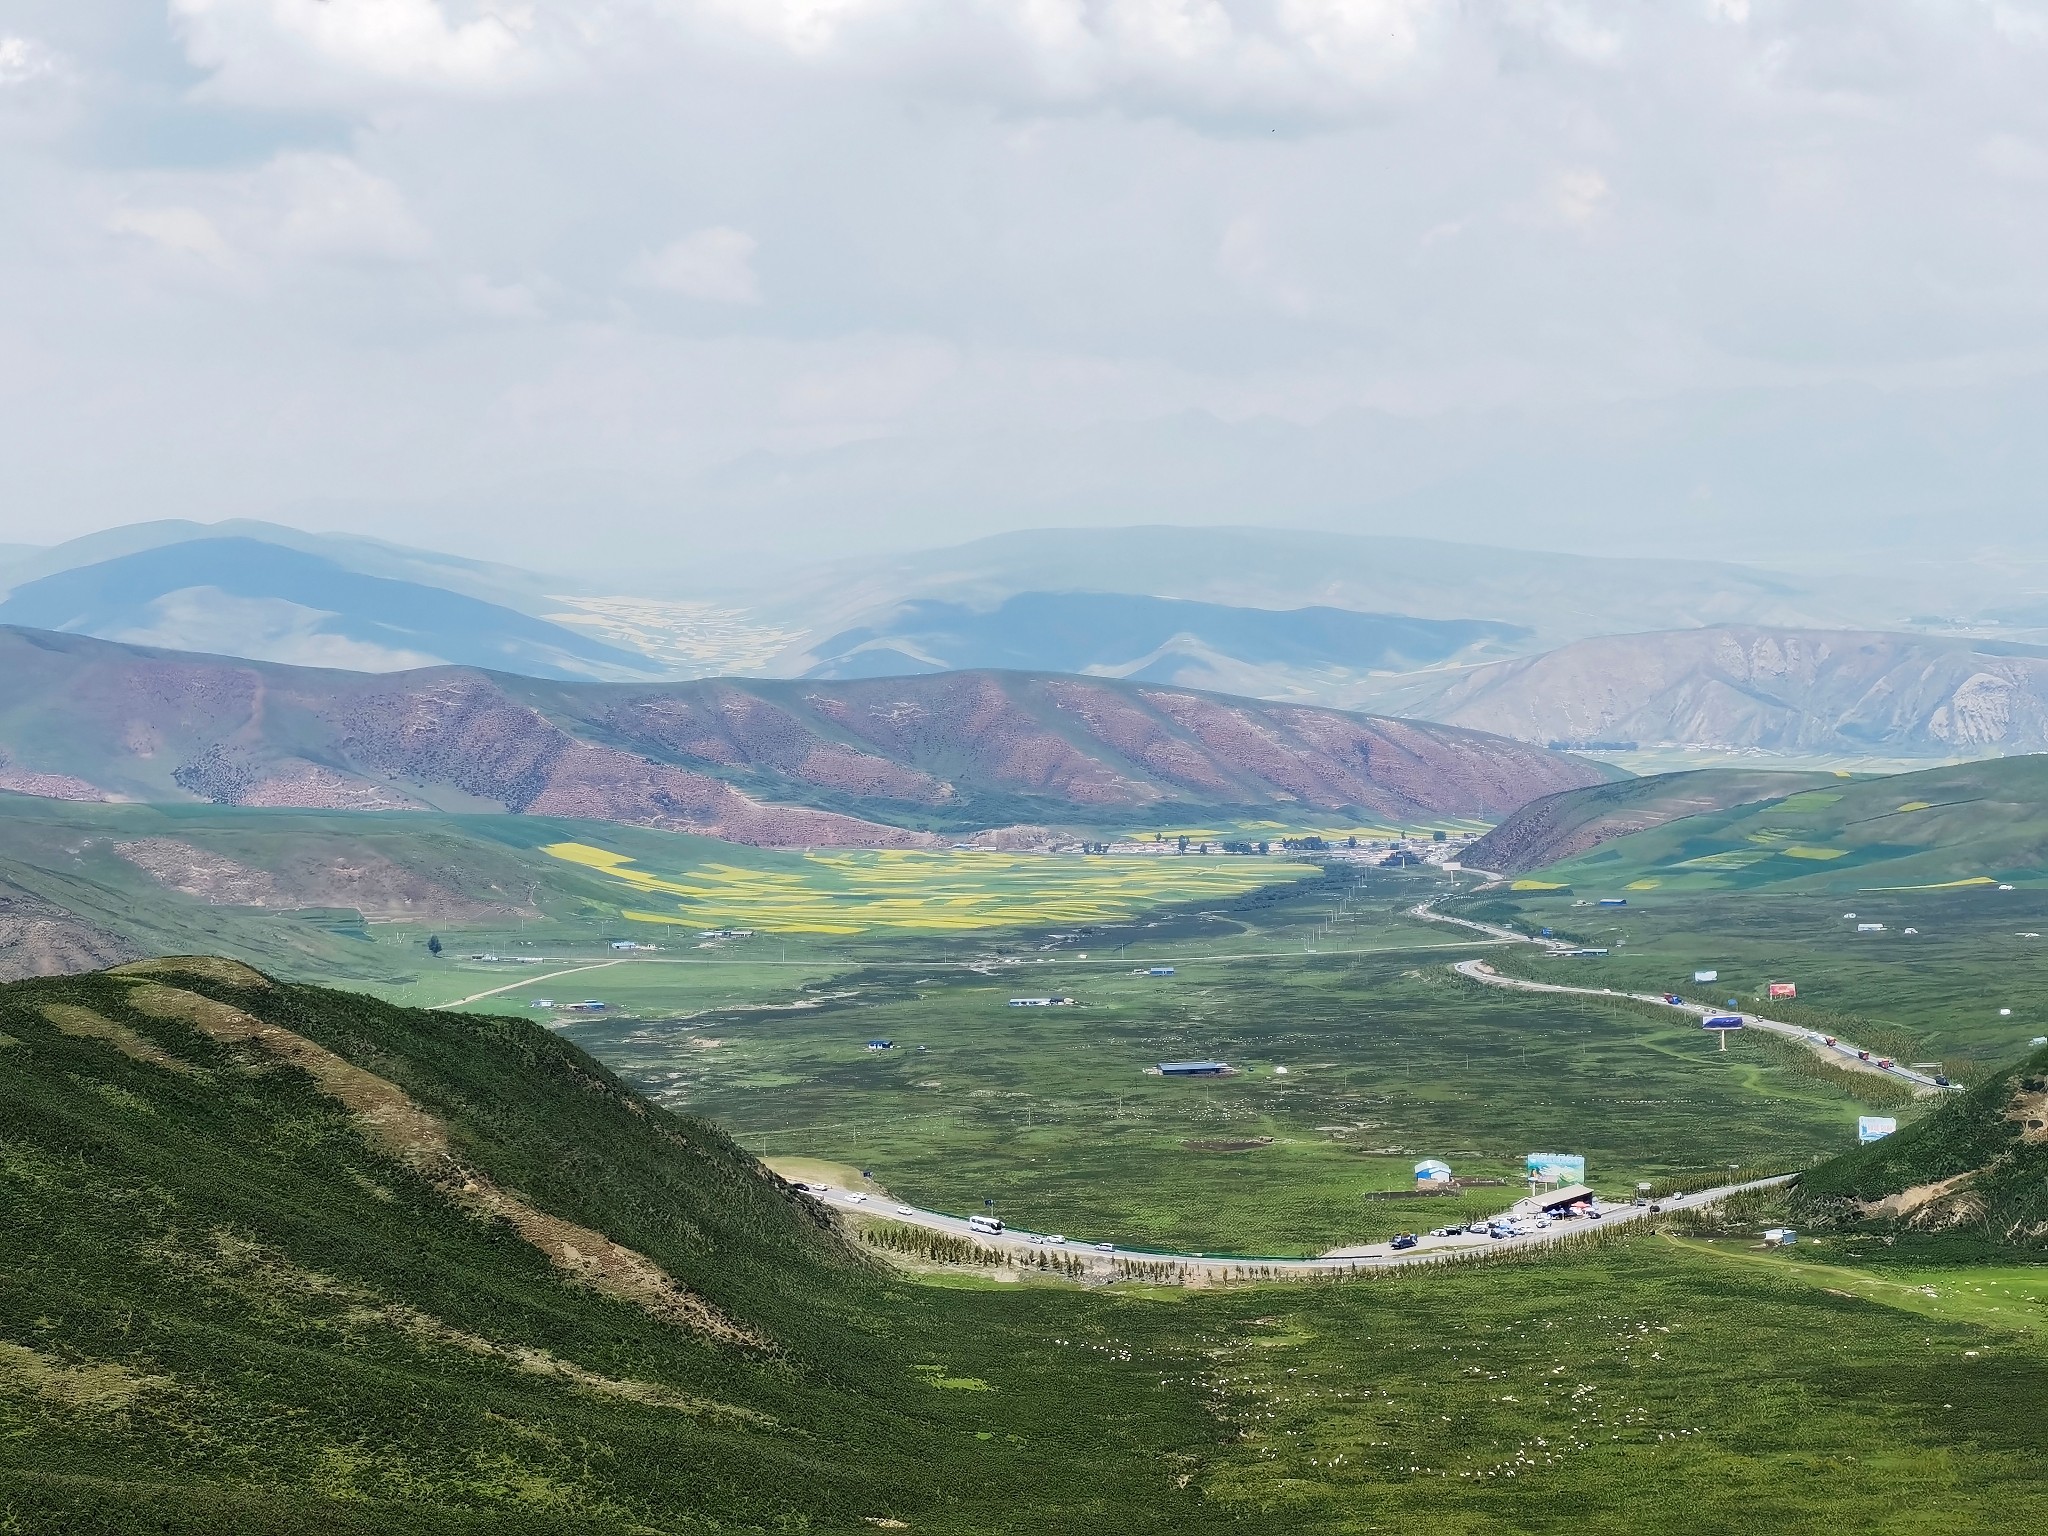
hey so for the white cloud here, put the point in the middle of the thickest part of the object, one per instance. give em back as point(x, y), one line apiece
point(23, 59)
point(1367, 40)
point(715, 265)
point(280, 50)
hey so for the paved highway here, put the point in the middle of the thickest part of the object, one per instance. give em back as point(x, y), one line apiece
point(1841, 1052)
point(1102, 1258)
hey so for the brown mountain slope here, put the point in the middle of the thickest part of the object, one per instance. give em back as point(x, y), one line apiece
point(1784, 690)
point(858, 763)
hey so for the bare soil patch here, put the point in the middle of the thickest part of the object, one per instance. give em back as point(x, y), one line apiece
point(205, 967)
point(83, 1023)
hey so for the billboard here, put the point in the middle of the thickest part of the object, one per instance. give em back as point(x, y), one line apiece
point(1555, 1168)
point(1779, 989)
point(1722, 1021)
point(1706, 975)
point(1874, 1127)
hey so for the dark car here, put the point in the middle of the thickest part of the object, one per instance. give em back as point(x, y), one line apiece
point(1405, 1240)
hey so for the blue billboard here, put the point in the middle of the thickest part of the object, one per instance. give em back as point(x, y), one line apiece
point(1556, 1168)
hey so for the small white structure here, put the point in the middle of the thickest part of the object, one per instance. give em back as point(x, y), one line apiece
point(1780, 1237)
point(1706, 975)
point(1870, 927)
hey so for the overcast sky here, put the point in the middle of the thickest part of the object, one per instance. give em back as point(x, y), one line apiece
point(1724, 275)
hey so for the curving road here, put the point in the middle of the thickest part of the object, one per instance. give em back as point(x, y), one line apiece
point(1101, 1257)
point(1842, 1053)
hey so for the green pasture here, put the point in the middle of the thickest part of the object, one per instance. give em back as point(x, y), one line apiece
point(1640, 1385)
point(1050, 1112)
point(229, 1310)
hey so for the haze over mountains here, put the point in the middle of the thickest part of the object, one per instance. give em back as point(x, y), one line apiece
point(251, 597)
point(1784, 691)
point(1538, 646)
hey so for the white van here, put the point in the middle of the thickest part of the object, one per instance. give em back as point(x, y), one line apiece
point(989, 1224)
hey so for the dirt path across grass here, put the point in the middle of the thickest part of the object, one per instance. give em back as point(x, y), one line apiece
point(528, 981)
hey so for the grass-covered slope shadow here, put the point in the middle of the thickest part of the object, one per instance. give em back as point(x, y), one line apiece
point(226, 1307)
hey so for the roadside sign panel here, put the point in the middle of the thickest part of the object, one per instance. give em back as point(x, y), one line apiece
point(1556, 1168)
point(1781, 989)
point(1874, 1127)
point(1706, 975)
point(1722, 1021)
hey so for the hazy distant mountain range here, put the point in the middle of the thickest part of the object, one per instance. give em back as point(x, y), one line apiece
point(1539, 646)
point(884, 762)
point(1787, 691)
point(256, 598)
point(1151, 639)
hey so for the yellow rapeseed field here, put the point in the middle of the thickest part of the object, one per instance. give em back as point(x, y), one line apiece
point(961, 890)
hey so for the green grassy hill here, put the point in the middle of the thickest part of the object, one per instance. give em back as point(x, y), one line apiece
point(1973, 1172)
point(1984, 822)
point(1574, 820)
point(381, 1294)
point(284, 1260)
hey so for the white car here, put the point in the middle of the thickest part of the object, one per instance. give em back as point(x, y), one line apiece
point(1105, 1247)
point(1055, 1237)
point(904, 1210)
point(857, 1198)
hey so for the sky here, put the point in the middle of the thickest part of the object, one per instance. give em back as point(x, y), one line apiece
point(662, 281)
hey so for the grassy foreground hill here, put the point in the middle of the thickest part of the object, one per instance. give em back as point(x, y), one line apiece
point(282, 1259)
point(287, 1260)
